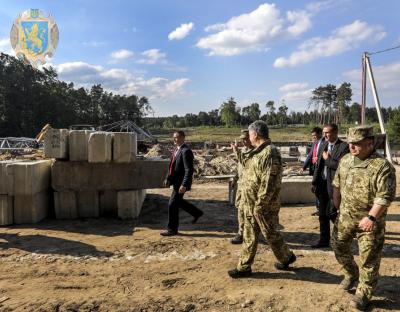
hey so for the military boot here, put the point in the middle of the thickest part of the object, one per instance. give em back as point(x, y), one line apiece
point(238, 239)
point(360, 303)
point(285, 266)
point(348, 283)
point(235, 273)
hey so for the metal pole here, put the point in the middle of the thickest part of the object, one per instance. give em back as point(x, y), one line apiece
point(378, 107)
point(363, 88)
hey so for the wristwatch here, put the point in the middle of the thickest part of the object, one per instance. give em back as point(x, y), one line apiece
point(372, 218)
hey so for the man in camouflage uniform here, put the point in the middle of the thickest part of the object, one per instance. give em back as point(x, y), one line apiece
point(364, 187)
point(261, 186)
point(242, 155)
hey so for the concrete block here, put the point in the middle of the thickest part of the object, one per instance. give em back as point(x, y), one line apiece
point(6, 210)
point(88, 204)
point(108, 203)
point(297, 190)
point(56, 143)
point(29, 177)
point(5, 180)
point(100, 147)
point(130, 203)
point(65, 205)
point(124, 147)
point(78, 145)
point(31, 208)
point(79, 176)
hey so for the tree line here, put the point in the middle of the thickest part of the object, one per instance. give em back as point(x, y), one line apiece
point(31, 98)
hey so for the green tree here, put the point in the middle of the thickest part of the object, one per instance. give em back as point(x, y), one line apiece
point(344, 95)
point(228, 112)
point(251, 113)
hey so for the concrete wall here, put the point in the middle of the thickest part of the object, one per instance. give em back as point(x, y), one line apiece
point(88, 204)
point(28, 178)
point(31, 208)
point(65, 205)
point(78, 145)
point(56, 143)
point(6, 210)
point(130, 203)
point(297, 190)
point(124, 147)
point(100, 147)
point(80, 176)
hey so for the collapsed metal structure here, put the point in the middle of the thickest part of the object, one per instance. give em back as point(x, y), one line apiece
point(12, 143)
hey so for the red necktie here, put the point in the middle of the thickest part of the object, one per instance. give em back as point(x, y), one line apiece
point(172, 161)
point(314, 154)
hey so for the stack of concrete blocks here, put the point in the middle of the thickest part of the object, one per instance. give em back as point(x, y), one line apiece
point(297, 190)
point(103, 177)
point(24, 189)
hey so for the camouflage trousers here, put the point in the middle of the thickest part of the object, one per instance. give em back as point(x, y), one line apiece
point(239, 207)
point(265, 222)
point(370, 246)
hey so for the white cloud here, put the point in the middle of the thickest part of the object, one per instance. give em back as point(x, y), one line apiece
point(153, 56)
point(254, 31)
point(315, 7)
point(342, 39)
point(121, 54)
point(297, 92)
point(295, 86)
point(121, 81)
point(181, 32)
point(94, 44)
point(387, 78)
point(5, 46)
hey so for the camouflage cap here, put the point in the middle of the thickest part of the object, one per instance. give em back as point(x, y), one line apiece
point(357, 134)
point(244, 134)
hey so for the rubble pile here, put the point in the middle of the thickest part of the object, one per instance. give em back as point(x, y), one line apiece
point(160, 150)
point(219, 165)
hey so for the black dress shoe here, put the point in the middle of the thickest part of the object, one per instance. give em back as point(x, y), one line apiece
point(197, 218)
point(320, 245)
point(285, 266)
point(235, 273)
point(238, 239)
point(169, 233)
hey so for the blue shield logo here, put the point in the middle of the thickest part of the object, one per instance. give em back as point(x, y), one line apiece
point(35, 36)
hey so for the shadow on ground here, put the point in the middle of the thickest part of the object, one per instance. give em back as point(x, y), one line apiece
point(41, 244)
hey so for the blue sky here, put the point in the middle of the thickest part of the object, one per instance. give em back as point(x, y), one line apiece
point(190, 56)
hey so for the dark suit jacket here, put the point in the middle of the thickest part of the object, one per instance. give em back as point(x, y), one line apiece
point(340, 149)
point(308, 162)
point(182, 168)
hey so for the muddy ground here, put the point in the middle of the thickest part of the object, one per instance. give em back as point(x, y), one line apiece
point(112, 265)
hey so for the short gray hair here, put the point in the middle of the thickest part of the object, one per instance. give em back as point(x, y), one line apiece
point(260, 127)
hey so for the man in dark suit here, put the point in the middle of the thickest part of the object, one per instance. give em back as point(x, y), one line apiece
point(311, 160)
point(327, 162)
point(180, 176)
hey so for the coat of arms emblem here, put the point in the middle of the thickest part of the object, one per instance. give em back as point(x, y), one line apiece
point(34, 36)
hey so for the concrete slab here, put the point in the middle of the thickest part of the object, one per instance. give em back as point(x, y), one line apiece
point(78, 145)
point(65, 205)
point(297, 190)
point(80, 176)
point(5, 186)
point(29, 177)
point(100, 147)
point(124, 147)
point(88, 204)
point(6, 210)
point(108, 203)
point(130, 203)
point(31, 208)
point(56, 143)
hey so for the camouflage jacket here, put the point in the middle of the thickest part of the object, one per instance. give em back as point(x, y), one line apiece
point(242, 155)
point(364, 183)
point(261, 183)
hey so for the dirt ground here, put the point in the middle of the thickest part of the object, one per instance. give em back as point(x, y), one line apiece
point(112, 265)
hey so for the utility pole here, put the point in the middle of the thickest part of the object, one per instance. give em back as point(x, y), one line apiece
point(366, 68)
